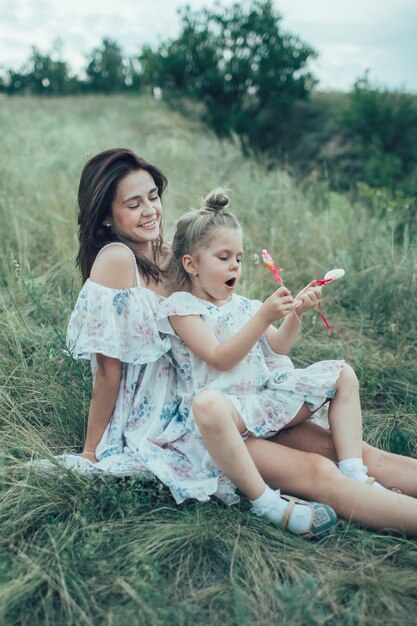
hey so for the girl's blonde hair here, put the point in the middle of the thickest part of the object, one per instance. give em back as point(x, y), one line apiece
point(194, 231)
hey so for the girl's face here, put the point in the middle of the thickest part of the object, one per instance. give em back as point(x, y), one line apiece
point(218, 266)
point(136, 210)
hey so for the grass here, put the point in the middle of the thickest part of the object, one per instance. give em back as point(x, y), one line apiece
point(107, 552)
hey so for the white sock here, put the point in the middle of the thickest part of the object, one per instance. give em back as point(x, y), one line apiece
point(357, 471)
point(273, 507)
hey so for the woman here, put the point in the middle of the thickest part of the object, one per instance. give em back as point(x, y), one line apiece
point(133, 396)
point(122, 260)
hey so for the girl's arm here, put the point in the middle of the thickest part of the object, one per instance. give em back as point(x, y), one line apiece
point(103, 399)
point(281, 340)
point(224, 356)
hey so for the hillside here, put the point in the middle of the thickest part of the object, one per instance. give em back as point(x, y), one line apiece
point(121, 552)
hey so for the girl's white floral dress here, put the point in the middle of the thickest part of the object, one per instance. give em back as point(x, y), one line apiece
point(265, 388)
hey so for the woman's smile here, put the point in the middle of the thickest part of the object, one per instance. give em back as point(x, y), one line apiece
point(149, 225)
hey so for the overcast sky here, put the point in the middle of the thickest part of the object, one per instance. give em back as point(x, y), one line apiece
point(349, 35)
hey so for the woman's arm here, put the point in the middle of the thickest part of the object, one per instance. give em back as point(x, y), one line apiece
point(224, 356)
point(281, 340)
point(114, 268)
point(103, 399)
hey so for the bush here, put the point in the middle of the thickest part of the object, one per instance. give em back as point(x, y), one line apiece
point(240, 64)
point(385, 122)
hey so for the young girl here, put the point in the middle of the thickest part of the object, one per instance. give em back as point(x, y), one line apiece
point(233, 372)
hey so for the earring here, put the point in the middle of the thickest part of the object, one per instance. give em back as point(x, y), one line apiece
point(108, 225)
point(196, 274)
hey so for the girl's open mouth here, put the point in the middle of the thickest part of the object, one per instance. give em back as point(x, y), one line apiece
point(231, 282)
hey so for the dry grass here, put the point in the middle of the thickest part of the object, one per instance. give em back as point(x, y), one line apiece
point(113, 552)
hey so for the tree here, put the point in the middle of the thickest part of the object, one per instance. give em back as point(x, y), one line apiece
point(240, 64)
point(108, 70)
point(385, 123)
point(43, 74)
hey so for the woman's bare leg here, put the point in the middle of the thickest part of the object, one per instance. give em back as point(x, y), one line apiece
point(391, 470)
point(314, 477)
point(305, 474)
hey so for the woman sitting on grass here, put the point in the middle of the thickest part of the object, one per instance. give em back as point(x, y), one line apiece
point(124, 266)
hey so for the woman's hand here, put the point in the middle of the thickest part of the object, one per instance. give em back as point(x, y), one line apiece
point(277, 306)
point(307, 298)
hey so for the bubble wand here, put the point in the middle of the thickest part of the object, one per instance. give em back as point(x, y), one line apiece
point(329, 277)
point(269, 262)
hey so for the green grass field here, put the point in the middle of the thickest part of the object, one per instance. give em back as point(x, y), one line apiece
point(111, 552)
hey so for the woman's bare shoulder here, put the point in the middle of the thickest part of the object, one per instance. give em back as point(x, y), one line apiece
point(114, 267)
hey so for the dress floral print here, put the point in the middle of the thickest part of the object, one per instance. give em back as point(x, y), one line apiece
point(122, 324)
point(265, 388)
point(152, 433)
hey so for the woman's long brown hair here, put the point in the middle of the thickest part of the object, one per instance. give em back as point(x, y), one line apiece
point(97, 190)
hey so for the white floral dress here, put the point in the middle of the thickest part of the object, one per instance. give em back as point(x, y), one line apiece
point(122, 324)
point(265, 388)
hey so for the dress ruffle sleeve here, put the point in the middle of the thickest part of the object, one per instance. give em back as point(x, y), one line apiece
point(118, 323)
point(179, 303)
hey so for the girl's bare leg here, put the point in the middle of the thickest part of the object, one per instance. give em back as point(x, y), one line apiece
point(314, 477)
point(391, 470)
point(345, 416)
point(220, 427)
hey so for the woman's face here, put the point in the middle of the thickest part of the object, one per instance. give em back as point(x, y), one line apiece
point(136, 210)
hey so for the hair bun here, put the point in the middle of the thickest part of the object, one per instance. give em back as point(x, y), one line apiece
point(216, 201)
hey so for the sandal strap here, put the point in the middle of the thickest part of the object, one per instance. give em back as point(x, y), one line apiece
point(292, 501)
point(291, 504)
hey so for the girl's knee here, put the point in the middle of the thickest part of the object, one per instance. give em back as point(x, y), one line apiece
point(348, 378)
point(207, 409)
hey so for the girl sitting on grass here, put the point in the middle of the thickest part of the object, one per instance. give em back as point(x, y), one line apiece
point(238, 387)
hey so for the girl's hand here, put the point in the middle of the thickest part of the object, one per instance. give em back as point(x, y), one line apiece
point(277, 306)
point(307, 298)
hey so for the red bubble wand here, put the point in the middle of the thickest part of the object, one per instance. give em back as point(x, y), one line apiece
point(269, 262)
point(329, 277)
